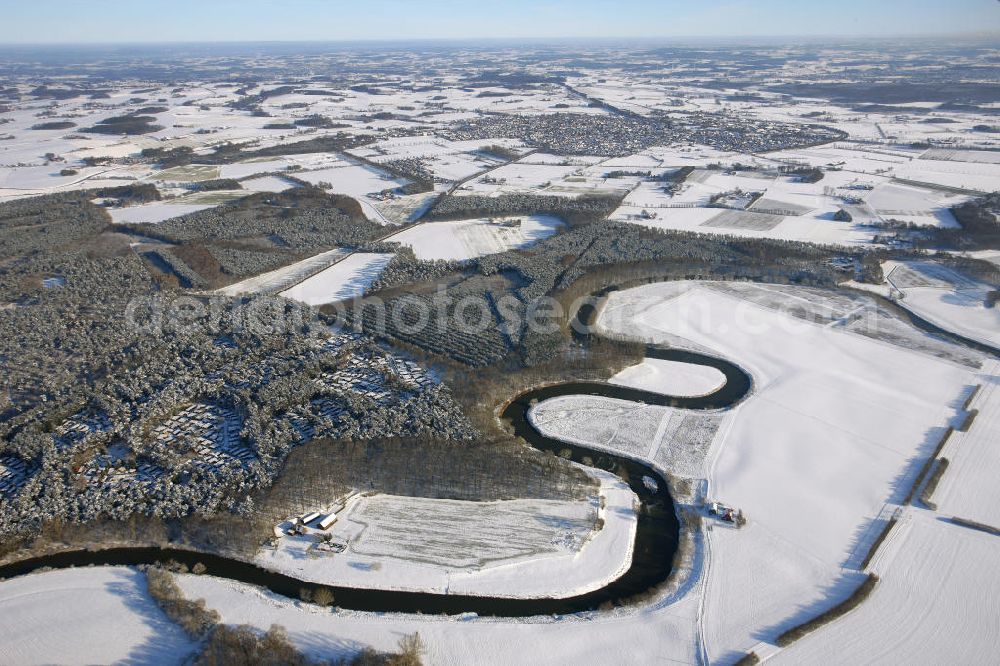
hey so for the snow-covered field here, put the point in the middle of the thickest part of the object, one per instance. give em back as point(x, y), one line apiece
point(969, 487)
point(345, 279)
point(937, 602)
point(676, 440)
point(467, 239)
point(267, 184)
point(946, 298)
point(609, 638)
point(153, 213)
point(671, 378)
point(515, 548)
point(801, 216)
point(86, 616)
point(284, 277)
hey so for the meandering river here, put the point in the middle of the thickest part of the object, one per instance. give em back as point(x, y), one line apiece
point(657, 531)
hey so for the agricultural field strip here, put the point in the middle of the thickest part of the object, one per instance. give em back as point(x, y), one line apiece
point(969, 486)
point(512, 548)
point(286, 277)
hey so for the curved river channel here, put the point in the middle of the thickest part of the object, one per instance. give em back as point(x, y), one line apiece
point(656, 537)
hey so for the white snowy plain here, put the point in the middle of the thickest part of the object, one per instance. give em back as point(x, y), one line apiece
point(98, 615)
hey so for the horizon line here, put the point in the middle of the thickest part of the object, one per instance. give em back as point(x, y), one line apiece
point(982, 35)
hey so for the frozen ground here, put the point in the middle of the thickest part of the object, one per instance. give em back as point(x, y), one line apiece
point(467, 239)
point(946, 298)
point(345, 279)
point(515, 548)
point(86, 616)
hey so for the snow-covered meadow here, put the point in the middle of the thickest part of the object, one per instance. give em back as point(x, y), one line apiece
point(512, 548)
point(946, 298)
point(467, 239)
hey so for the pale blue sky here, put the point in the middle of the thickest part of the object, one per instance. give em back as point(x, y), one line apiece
point(319, 20)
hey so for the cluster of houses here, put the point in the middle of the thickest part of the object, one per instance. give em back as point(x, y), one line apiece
point(80, 426)
point(210, 432)
point(623, 133)
point(13, 473)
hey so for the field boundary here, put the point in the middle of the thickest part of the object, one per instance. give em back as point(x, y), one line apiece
point(861, 593)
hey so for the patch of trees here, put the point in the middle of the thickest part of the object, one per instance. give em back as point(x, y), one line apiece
point(501, 290)
point(130, 124)
point(804, 174)
point(74, 355)
point(224, 645)
point(980, 220)
point(192, 616)
point(216, 185)
point(240, 260)
point(200, 260)
point(54, 125)
point(406, 269)
point(579, 210)
point(129, 195)
point(70, 92)
point(172, 157)
point(420, 177)
point(243, 645)
point(303, 218)
point(480, 471)
point(619, 173)
point(228, 153)
point(512, 79)
point(320, 122)
point(502, 152)
point(174, 269)
point(40, 224)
